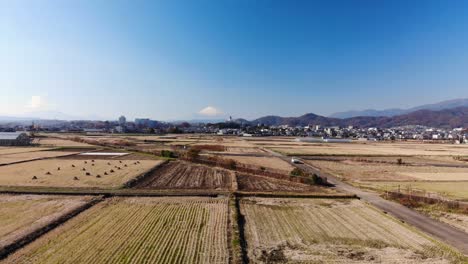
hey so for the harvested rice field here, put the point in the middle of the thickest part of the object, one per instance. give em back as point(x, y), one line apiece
point(137, 230)
point(272, 163)
point(333, 231)
point(57, 142)
point(27, 156)
point(14, 150)
point(244, 150)
point(22, 214)
point(452, 190)
point(74, 173)
point(252, 183)
point(379, 149)
point(364, 171)
point(185, 175)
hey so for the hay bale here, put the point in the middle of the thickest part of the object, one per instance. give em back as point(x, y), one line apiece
point(34, 178)
point(112, 171)
point(98, 176)
point(58, 168)
point(48, 173)
point(105, 173)
point(73, 165)
point(88, 174)
point(83, 169)
point(76, 178)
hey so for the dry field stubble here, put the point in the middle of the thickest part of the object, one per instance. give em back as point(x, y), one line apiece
point(185, 175)
point(403, 149)
point(364, 171)
point(338, 231)
point(57, 142)
point(74, 173)
point(248, 182)
point(23, 214)
point(27, 156)
point(266, 162)
point(14, 150)
point(138, 230)
point(452, 190)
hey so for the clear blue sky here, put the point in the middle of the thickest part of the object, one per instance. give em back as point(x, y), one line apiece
point(170, 59)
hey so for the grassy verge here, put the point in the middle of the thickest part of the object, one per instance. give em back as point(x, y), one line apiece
point(234, 233)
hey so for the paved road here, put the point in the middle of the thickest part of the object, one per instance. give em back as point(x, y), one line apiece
point(444, 232)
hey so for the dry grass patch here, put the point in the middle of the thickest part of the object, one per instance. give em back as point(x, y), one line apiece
point(22, 214)
point(338, 231)
point(74, 173)
point(138, 230)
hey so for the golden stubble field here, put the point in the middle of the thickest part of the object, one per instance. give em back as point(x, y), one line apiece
point(73, 173)
point(22, 214)
point(32, 155)
point(138, 230)
point(14, 150)
point(266, 162)
point(58, 142)
point(333, 231)
point(394, 149)
point(364, 171)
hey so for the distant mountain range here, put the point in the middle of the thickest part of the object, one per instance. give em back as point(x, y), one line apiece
point(397, 111)
point(454, 117)
point(452, 113)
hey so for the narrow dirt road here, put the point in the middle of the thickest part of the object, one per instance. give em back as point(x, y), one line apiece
point(444, 232)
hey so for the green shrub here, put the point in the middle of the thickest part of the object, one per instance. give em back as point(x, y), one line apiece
point(167, 154)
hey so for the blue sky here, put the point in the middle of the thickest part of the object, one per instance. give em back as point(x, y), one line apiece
point(171, 59)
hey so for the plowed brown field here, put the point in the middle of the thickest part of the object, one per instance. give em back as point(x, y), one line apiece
point(184, 175)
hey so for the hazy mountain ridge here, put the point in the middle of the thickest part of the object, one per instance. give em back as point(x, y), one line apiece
point(455, 117)
point(449, 104)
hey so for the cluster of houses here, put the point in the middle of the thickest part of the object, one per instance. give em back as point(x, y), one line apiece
point(343, 134)
point(144, 125)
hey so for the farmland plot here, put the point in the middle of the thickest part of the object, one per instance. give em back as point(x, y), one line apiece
point(14, 150)
point(338, 231)
point(22, 214)
point(57, 142)
point(27, 156)
point(247, 182)
point(378, 149)
point(184, 175)
point(360, 171)
point(138, 230)
point(266, 162)
point(74, 173)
